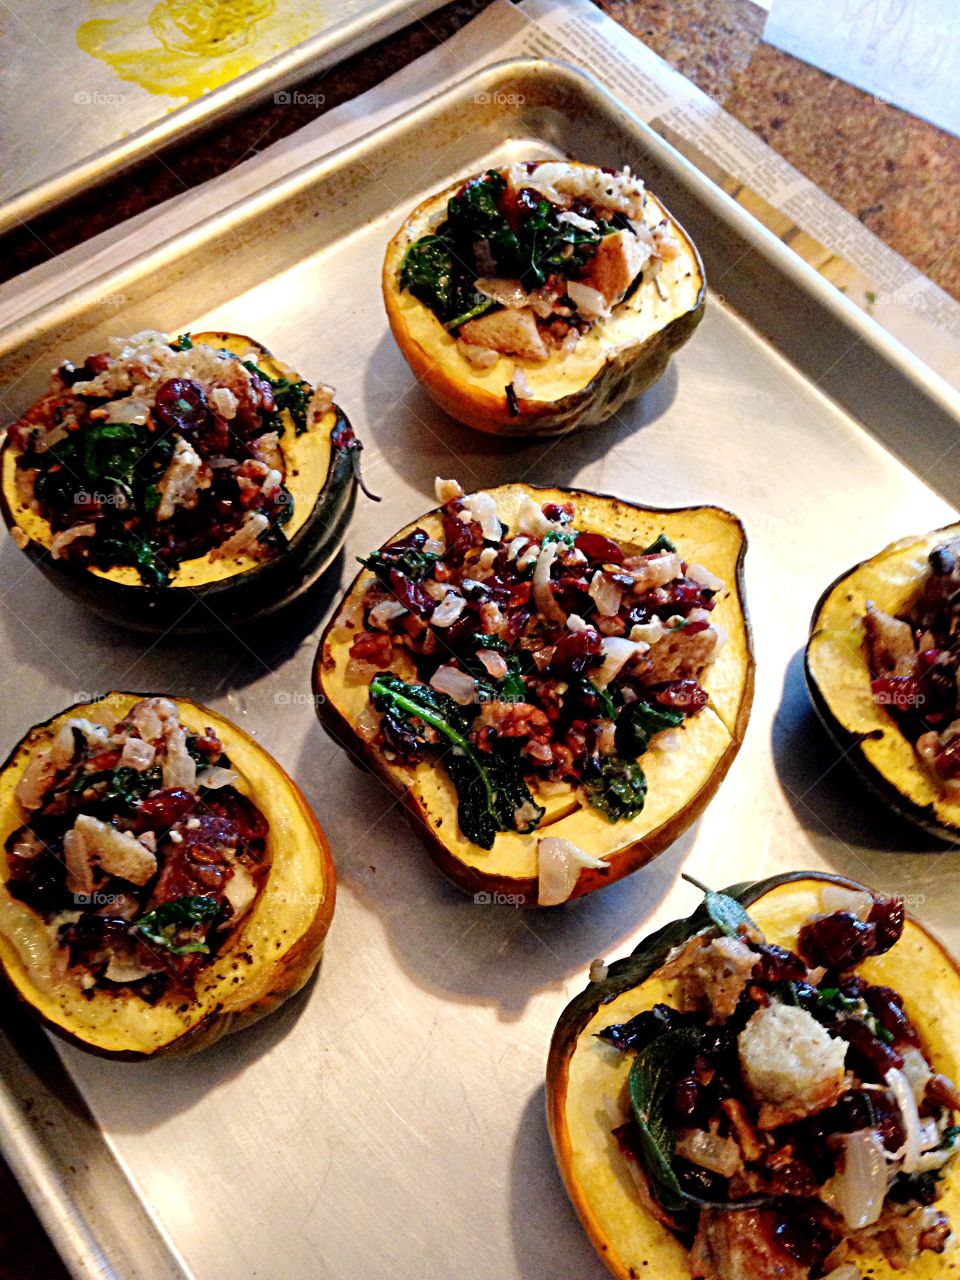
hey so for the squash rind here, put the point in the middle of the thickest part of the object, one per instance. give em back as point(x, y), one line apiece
point(283, 934)
point(229, 595)
point(838, 680)
point(715, 538)
point(581, 1071)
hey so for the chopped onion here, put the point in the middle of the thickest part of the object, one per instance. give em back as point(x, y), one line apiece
point(477, 356)
point(543, 596)
point(216, 777)
point(575, 220)
point(382, 614)
point(127, 969)
point(482, 508)
point(240, 891)
point(858, 1191)
point(909, 1153)
point(703, 577)
point(61, 540)
point(710, 1151)
point(509, 293)
point(559, 864)
point(449, 610)
point(532, 521)
point(456, 684)
point(589, 302)
point(648, 632)
point(917, 1071)
point(617, 652)
point(516, 546)
point(495, 664)
point(576, 623)
point(520, 384)
point(605, 594)
point(834, 897)
point(598, 970)
point(447, 490)
point(137, 754)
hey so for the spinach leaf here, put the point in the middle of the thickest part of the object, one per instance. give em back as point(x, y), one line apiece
point(171, 920)
point(127, 548)
point(124, 786)
point(112, 452)
point(637, 722)
point(490, 790)
point(652, 1078)
point(293, 396)
point(183, 343)
point(662, 543)
point(725, 912)
point(618, 789)
point(412, 562)
point(427, 273)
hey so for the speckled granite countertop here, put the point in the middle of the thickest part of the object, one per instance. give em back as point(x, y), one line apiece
point(897, 174)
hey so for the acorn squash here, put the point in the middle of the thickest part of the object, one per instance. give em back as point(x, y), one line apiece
point(204, 591)
point(265, 960)
point(839, 680)
point(585, 1076)
point(680, 782)
point(613, 362)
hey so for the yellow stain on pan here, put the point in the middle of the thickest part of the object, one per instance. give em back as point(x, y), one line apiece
point(184, 48)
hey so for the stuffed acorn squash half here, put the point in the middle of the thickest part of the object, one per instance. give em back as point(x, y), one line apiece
point(555, 682)
point(162, 880)
point(181, 483)
point(883, 669)
point(766, 1089)
point(538, 297)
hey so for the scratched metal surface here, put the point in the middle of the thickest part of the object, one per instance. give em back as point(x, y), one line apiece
point(389, 1122)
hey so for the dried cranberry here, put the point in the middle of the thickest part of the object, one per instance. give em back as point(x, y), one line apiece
point(837, 941)
point(806, 1238)
point(459, 538)
point(181, 406)
point(886, 1005)
point(576, 651)
point(775, 964)
point(411, 594)
point(869, 1057)
point(161, 810)
point(559, 514)
point(865, 1109)
point(889, 916)
point(682, 695)
point(644, 1027)
point(229, 803)
point(596, 547)
point(686, 1095)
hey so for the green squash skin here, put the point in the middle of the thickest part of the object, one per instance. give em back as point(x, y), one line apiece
point(848, 743)
point(231, 602)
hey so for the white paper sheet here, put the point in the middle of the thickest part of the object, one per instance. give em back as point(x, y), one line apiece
point(904, 51)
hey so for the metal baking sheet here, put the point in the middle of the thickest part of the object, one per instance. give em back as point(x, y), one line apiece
point(389, 1122)
point(124, 78)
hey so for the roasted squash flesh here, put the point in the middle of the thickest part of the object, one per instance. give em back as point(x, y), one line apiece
point(680, 782)
point(268, 958)
point(587, 1079)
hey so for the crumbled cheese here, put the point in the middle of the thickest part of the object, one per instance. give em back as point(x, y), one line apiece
point(182, 481)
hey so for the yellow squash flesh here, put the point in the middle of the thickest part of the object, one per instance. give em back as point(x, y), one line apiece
point(838, 677)
point(266, 960)
point(613, 363)
point(680, 783)
point(587, 1087)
